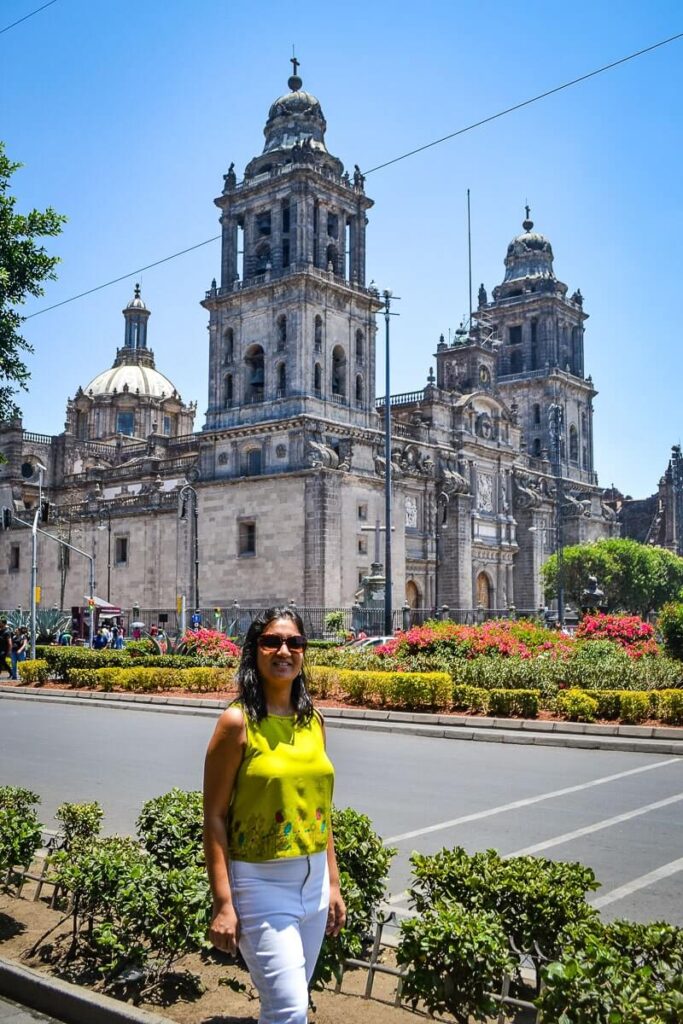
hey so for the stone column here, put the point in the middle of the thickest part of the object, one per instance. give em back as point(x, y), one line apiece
point(229, 250)
point(455, 573)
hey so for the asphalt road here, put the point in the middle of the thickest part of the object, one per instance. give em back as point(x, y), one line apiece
point(621, 813)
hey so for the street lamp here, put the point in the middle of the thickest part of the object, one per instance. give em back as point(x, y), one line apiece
point(187, 494)
point(556, 426)
point(440, 522)
point(105, 513)
point(388, 582)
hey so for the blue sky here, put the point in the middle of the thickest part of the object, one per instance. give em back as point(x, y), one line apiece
point(126, 115)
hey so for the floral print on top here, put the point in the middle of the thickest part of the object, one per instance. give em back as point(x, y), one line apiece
point(283, 792)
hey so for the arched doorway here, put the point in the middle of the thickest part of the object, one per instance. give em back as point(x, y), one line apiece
point(413, 596)
point(484, 591)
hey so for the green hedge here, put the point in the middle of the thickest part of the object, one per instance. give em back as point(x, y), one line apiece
point(62, 661)
point(33, 671)
point(144, 679)
point(431, 690)
point(523, 703)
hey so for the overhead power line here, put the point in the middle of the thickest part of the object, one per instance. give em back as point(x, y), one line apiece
point(387, 163)
point(27, 16)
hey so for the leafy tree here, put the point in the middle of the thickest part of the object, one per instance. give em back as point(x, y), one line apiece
point(636, 578)
point(24, 266)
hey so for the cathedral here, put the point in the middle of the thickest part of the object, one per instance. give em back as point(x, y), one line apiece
point(279, 495)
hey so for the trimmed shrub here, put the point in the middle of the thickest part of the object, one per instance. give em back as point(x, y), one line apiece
point(668, 706)
point(519, 703)
point(79, 822)
point(454, 959)
point(576, 706)
point(20, 831)
point(635, 707)
point(35, 671)
point(170, 828)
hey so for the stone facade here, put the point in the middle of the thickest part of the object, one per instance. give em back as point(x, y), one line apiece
point(288, 471)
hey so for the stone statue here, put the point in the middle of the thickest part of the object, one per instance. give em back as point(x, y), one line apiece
point(358, 178)
point(482, 296)
point(230, 179)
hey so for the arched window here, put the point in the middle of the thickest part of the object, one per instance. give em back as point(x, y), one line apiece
point(228, 345)
point(537, 448)
point(360, 347)
point(338, 372)
point(263, 260)
point(573, 444)
point(281, 331)
point(332, 259)
point(281, 380)
point(359, 390)
point(484, 591)
point(318, 379)
point(318, 337)
point(254, 374)
point(537, 413)
point(228, 396)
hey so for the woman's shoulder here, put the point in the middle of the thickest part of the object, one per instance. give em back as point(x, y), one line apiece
point(233, 721)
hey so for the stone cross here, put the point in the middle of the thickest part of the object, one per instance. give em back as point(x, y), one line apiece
point(376, 529)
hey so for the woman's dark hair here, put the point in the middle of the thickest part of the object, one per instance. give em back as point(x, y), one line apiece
point(248, 681)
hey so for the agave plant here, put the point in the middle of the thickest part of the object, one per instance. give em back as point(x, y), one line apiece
point(49, 622)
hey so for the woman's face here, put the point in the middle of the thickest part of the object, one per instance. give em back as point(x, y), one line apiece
point(278, 666)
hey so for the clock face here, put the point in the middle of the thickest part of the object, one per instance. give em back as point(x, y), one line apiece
point(484, 375)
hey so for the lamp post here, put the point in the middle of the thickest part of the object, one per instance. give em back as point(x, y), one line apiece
point(388, 581)
point(105, 513)
point(556, 425)
point(188, 493)
point(441, 515)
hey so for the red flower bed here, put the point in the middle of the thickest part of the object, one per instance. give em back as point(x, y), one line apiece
point(209, 642)
point(636, 636)
point(497, 637)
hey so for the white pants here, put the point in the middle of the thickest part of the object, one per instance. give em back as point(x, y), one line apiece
point(282, 907)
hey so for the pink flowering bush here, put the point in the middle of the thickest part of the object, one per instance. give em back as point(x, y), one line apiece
point(494, 638)
point(629, 632)
point(208, 643)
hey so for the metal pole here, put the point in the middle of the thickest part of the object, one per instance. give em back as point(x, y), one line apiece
point(469, 250)
point(91, 629)
point(388, 611)
point(183, 615)
point(108, 556)
point(196, 551)
point(436, 556)
point(34, 579)
point(557, 419)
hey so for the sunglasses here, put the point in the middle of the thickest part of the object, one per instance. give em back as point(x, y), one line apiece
point(273, 642)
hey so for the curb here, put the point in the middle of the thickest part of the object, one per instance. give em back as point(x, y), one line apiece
point(71, 1003)
point(578, 735)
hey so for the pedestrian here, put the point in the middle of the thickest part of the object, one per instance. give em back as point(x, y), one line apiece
point(19, 649)
point(5, 647)
point(267, 834)
point(99, 640)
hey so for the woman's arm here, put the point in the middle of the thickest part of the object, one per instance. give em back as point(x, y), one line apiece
point(336, 915)
point(223, 759)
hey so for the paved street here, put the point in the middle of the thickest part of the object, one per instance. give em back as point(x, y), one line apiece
point(13, 1013)
point(621, 813)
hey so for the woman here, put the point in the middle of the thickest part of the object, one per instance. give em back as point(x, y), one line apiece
point(19, 649)
point(267, 836)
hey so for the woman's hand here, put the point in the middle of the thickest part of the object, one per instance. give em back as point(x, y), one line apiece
point(224, 930)
point(336, 915)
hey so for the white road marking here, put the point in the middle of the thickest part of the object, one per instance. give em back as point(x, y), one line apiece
point(567, 837)
point(528, 801)
point(638, 883)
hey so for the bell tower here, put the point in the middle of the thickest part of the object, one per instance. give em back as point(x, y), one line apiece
point(292, 323)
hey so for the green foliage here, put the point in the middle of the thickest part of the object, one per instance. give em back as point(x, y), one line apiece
point(388, 689)
point(534, 898)
point(129, 910)
point(636, 578)
point(79, 822)
point(454, 959)
point(506, 703)
point(670, 623)
point(363, 862)
point(24, 266)
point(49, 623)
point(151, 679)
point(170, 828)
point(62, 661)
point(668, 706)
point(620, 973)
point(576, 706)
point(334, 622)
point(20, 831)
point(33, 671)
point(635, 707)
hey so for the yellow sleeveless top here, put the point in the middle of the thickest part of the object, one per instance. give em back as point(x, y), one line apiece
point(283, 791)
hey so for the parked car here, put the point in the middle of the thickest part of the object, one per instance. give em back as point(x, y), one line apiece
point(370, 641)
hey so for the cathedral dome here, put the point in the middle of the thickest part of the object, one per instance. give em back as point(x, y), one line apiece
point(132, 377)
point(295, 118)
point(529, 255)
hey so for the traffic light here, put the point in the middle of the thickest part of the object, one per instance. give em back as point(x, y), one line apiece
point(6, 521)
